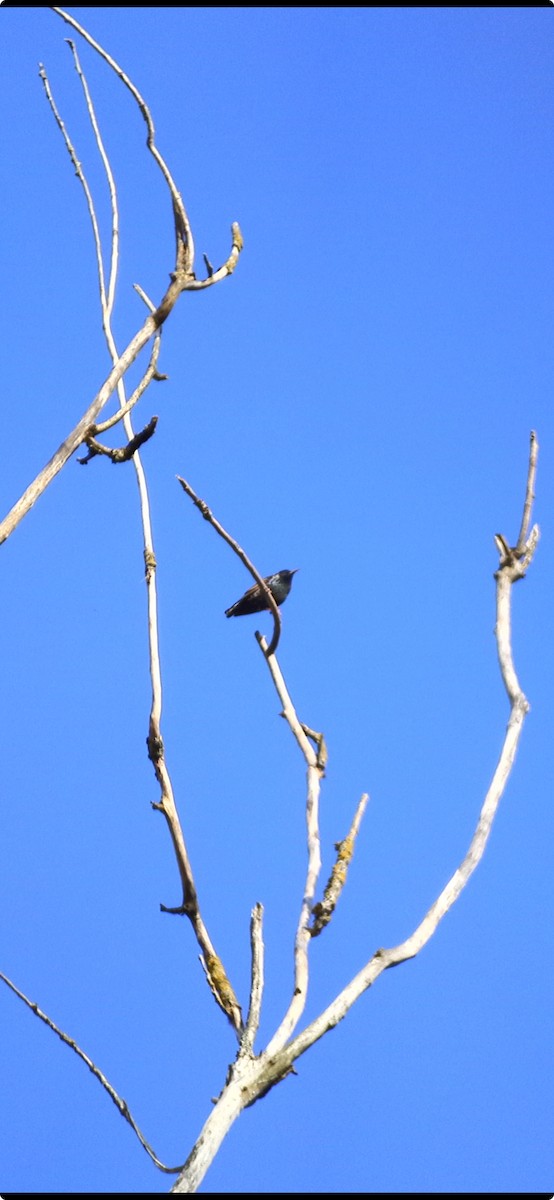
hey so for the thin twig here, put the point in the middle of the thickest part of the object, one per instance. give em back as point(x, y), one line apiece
point(120, 1104)
point(150, 374)
point(319, 741)
point(183, 231)
point(181, 218)
point(78, 167)
point(529, 494)
point(208, 516)
point(227, 268)
point(108, 299)
point(144, 297)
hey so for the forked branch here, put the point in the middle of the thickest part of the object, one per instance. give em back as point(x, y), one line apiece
point(315, 764)
point(215, 972)
point(508, 572)
point(182, 279)
point(257, 1075)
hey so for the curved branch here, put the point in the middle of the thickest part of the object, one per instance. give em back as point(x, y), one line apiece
point(120, 1104)
point(183, 233)
point(509, 571)
point(182, 224)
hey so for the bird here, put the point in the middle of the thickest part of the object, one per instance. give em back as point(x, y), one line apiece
point(255, 600)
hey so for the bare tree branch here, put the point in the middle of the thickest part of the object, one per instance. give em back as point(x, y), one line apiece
point(76, 163)
point(120, 1104)
point(256, 981)
point(77, 435)
point(323, 911)
point(182, 279)
point(219, 983)
point(315, 772)
point(302, 939)
point(251, 1079)
point(507, 574)
point(529, 494)
point(318, 740)
point(150, 374)
point(182, 224)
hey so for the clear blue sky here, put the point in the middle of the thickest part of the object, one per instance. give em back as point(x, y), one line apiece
point(356, 402)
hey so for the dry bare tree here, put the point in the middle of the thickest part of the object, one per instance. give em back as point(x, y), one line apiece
point(254, 1070)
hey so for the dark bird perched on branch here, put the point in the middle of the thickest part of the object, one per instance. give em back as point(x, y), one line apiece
point(255, 600)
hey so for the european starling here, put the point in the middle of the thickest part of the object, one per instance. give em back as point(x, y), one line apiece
point(254, 600)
